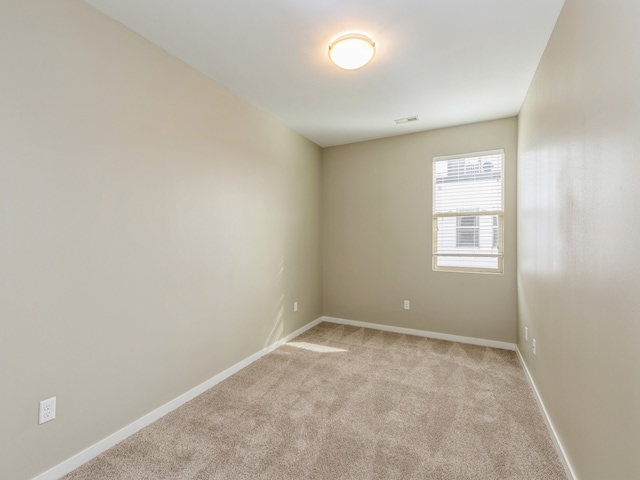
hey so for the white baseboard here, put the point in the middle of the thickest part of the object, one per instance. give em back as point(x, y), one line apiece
point(554, 435)
point(422, 333)
point(93, 451)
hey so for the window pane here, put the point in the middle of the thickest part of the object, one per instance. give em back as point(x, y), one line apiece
point(467, 235)
point(474, 185)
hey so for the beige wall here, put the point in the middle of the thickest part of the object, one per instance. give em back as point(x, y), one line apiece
point(377, 206)
point(152, 226)
point(578, 204)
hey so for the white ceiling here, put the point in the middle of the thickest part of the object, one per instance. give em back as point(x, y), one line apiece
point(450, 62)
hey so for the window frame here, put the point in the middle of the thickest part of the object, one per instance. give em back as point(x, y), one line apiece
point(497, 214)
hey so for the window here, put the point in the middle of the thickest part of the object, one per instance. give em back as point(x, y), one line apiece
point(468, 212)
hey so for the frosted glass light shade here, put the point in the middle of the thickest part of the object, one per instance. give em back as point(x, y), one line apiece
point(352, 51)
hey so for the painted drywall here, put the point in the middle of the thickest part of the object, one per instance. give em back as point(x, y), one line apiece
point(377, 239)
point(578, 262)
point(154, 229)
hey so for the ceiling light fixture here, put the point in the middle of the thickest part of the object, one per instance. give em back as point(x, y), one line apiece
point(352, 50)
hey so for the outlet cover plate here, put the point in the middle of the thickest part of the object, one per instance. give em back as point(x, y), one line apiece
point(47, 410)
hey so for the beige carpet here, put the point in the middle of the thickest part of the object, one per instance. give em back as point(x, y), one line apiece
point(343, 402)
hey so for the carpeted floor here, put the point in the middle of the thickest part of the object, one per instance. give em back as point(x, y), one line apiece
point(342, 402)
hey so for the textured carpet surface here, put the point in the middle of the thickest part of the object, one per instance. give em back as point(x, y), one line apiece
point(342, 402)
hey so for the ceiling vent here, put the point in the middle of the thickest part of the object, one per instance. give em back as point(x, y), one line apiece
point(415, 118)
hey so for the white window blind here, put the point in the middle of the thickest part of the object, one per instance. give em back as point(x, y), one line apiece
point(468, 212)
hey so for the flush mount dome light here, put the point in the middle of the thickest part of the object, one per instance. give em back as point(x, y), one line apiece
point(352, 50)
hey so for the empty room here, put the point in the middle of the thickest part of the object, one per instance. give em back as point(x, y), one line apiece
point(233, 248)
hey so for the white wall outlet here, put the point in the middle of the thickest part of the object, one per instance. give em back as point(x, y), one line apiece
point(407, 304)
point(47, 410)
point(534, 346)
point(295, 306)
point(526, 333)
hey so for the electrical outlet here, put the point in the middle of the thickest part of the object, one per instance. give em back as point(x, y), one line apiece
point(47, 410)
point(526, 333)
point(407, 305)
point(534, 346)
point(295, 306)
